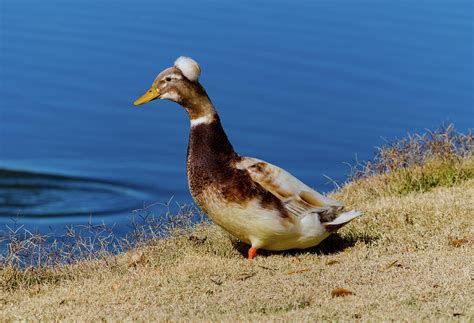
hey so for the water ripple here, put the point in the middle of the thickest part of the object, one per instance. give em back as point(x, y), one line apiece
point(38, 195)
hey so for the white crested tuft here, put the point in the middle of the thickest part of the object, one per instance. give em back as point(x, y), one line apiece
point(189, 67)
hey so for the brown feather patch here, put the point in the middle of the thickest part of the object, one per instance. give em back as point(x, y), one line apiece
point(265, 177)
point(333, 227)
point(210, 166)
point(309, 198)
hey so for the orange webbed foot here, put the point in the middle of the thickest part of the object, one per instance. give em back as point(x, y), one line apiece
point(252, 253)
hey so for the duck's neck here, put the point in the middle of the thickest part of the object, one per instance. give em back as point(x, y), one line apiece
point(198, 104)
point(208, 143)
point(207, 138)
point(210, 153)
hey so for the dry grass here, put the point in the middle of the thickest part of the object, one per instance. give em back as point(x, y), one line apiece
point(416, 163)
point(409, 257)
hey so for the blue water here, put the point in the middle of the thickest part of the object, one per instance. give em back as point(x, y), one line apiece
point(306, 85)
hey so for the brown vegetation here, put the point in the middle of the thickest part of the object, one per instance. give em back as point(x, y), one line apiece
point(409, 257)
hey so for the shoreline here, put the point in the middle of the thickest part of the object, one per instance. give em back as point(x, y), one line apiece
point(408, 257)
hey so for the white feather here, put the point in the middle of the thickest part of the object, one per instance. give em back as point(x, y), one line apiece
point(189, 67)
point(204, 119)
point(173, 96)
point(345, 217)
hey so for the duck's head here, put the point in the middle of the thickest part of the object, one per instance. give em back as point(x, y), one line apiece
point(180, 84)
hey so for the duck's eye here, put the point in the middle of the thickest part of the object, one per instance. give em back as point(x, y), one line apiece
point(168, 79)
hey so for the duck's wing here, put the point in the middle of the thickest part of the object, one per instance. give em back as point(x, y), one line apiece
point(298, 198)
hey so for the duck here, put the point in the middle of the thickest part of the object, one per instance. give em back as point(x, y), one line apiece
point(259, 203)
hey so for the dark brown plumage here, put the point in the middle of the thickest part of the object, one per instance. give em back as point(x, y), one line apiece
point(211, 161)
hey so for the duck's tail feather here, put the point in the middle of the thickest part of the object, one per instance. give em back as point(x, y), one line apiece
point(341, 220)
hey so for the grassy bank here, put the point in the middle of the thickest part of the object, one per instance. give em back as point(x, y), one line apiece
point(409, 257)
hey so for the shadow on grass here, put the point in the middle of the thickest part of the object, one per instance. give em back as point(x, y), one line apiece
point(333, 244)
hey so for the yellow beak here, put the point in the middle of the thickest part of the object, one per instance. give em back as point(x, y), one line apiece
point(149, 95)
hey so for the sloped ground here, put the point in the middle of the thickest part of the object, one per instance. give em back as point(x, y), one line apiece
point(409, 257)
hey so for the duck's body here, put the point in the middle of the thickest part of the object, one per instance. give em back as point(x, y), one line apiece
point(257, 202)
